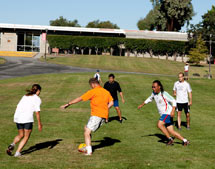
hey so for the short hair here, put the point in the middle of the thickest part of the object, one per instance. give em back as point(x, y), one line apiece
point(93, 80)
point(159, 84)
point(97, 70)
point(181, 73)
point(111, 75)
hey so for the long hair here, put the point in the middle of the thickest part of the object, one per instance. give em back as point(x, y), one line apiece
point(33, 90)
point(159, 84)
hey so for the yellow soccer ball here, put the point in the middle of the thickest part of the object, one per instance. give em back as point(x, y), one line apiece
point(82, 148)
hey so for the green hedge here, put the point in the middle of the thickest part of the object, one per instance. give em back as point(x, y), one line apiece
point(157, 47)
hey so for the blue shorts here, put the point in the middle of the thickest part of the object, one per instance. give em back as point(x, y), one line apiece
point(167, 119)
point(116, 103)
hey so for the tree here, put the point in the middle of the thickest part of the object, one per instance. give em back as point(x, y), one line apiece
point(102, 24)
point(64, 22)
point(171, 15)
point(199, 53)
point(148, 23)
point(204, 28)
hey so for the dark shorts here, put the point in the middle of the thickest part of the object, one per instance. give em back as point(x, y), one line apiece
point(167, 119)
point(185, 106)
point(26, 126)
point(116, 103)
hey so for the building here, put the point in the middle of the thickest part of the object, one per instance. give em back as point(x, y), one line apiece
point(32, 38)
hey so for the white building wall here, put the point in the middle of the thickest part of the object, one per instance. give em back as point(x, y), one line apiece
point(8, 42)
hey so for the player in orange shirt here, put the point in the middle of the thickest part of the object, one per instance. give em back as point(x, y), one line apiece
point(100, 102)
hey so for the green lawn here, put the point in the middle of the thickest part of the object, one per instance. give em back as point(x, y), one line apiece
point(146, 65)
point(2, 61)
point(133, 144)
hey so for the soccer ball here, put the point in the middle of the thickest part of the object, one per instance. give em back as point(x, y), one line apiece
point(82, 148)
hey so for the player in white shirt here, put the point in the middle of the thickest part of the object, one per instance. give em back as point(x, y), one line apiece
point(186, 71)
point(97, 76)
point(182, 90)
point(24, 119)
point(166, 107)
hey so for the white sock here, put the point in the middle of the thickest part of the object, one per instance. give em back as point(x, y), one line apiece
point(184, 140)
point(89, 149)
point(12, 144)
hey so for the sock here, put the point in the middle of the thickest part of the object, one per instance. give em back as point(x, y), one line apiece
point(13, 144)
point(170, 138)
point(184, 140)
point(89, 149)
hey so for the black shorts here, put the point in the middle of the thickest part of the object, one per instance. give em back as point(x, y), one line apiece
point(26, 126)
point(185, 106)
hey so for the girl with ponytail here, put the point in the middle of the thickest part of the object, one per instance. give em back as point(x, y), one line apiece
point(24, 119)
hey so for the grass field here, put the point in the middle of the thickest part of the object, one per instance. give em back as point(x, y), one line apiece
point(146, 65)
point(136, 143)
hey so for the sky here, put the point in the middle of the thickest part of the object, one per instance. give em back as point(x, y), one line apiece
point(123, 13)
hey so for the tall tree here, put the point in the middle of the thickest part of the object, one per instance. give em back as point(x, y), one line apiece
point(199, 53)
point(148, 23)
point(61, 21)
point(102, 24)
point(205, 28)
point(170, 15)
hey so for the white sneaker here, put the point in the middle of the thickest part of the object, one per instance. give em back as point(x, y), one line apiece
point(17, 154)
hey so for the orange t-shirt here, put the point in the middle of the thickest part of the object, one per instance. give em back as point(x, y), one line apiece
point(99, 99)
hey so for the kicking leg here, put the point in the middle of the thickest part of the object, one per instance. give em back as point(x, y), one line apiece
point(87, 136)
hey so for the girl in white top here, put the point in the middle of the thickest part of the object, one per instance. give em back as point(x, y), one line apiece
point(166, 106)
point(24, 119)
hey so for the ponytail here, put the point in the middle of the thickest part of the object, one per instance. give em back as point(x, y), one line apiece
point(33, 90)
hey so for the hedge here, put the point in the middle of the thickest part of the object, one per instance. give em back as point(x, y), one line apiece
point(155, 47)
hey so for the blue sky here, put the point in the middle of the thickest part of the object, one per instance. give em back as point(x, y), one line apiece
point(123, 13)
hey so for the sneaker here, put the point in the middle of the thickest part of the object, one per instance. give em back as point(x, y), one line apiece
point(186, 143)
point(17, 154)
point(179, 129)
point(88, 154)
point(10, 149)
point(188, 128)
point(121, 120)
point(170, 142)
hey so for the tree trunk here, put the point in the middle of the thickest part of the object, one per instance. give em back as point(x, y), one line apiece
point(82, 51)
point(120, 51)
point(111, 51)
point(128, 53)
point(151, 53)
point(97, 51)
point(135, 53)
point(175, 55)
point(90, 51)
point(167, 56)
point(182, 57)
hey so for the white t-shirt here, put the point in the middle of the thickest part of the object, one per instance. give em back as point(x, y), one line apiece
point(26, 108)
point(186, 68)
point(182, 89)
point(164, 102)
point(97, 75)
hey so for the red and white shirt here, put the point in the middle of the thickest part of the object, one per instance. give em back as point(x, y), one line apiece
point(163, 101)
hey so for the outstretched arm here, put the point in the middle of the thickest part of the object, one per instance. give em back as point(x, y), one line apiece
point(150, 99)
point(79, 99)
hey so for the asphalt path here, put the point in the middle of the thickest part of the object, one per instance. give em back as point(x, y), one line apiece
point(19, 67)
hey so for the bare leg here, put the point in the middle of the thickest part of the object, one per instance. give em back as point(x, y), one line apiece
point(27, 134)
point(119, 113)
point(163, 128)
point(174, 133)
point(87, 136)
point(179, 119)
point(188, 119)
point(19, 136)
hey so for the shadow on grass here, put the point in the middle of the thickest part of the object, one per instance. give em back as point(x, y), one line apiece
point(194, 65)
point(162, 138)
point(39, 146)
point(106, 142)
point(110, 119)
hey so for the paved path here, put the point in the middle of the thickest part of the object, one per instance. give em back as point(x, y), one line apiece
point(18, 67)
